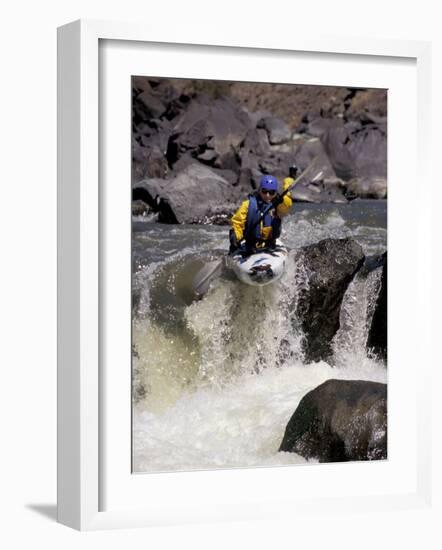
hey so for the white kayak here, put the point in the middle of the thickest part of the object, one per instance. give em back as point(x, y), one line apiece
point(261, 268)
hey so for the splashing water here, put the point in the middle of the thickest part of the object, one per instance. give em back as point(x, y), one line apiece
point(349, 343)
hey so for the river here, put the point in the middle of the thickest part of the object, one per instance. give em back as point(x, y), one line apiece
point(215, 381)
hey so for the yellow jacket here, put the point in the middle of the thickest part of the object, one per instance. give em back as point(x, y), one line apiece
point(239, 219)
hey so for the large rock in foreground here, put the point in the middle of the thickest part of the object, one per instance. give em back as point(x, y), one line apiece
point(338, 421)
point(324, 271)
point(195, 195)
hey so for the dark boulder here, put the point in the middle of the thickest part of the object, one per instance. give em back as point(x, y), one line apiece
point(148, 162)
point(377, 334)
point(255, 143)
point(195, 195)
point(338, 421)
point(154, 99)
point(154, 133)
point(277, 163)
point(148, 106)
point(249, 179)
point(277, 130)
point(183, 162)
point(149, 147)
point(309, 149)
point(254, 147)
point(320, 183)
point(258, 157)
point(187, 160)
point(257, 116)
point(323, 272)
point(139, 208)
point(359, 152)
point(355, 148)
point(140, 84)
point(218, 125)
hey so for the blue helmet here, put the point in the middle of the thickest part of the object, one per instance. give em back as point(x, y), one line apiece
point(268, 182)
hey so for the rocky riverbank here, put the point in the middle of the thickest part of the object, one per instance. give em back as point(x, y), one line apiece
point(199, 147)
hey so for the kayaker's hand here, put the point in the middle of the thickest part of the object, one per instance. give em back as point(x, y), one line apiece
point(293, 171)
point(277, 200)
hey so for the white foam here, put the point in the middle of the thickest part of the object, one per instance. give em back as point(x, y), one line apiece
point(240, 425)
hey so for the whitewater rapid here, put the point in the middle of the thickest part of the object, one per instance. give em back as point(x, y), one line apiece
point(216, 381)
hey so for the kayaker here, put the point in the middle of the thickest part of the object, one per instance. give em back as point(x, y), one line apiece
point(249, 235)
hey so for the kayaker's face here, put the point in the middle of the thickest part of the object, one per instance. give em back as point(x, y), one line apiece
point(267, 195)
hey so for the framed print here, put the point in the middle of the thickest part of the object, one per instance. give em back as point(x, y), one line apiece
point(218, 367)
point(223, 221)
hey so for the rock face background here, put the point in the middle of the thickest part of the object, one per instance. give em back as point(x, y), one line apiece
point(232, 133)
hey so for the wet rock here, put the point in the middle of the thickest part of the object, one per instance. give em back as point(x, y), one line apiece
point(276, 128)
point(323, 272)
point(338, 421)
point(148, 191)
point(302, 193)
point(371, 263)
point(139, 208)
point(377, 334)
point(367, 187)
point(195, 195)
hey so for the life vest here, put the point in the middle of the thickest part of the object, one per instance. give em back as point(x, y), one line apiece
point(254, 216)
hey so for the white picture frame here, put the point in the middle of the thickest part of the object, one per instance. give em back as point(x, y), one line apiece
point(81, 470)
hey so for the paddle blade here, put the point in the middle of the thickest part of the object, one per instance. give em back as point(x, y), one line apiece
point(205, 276)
